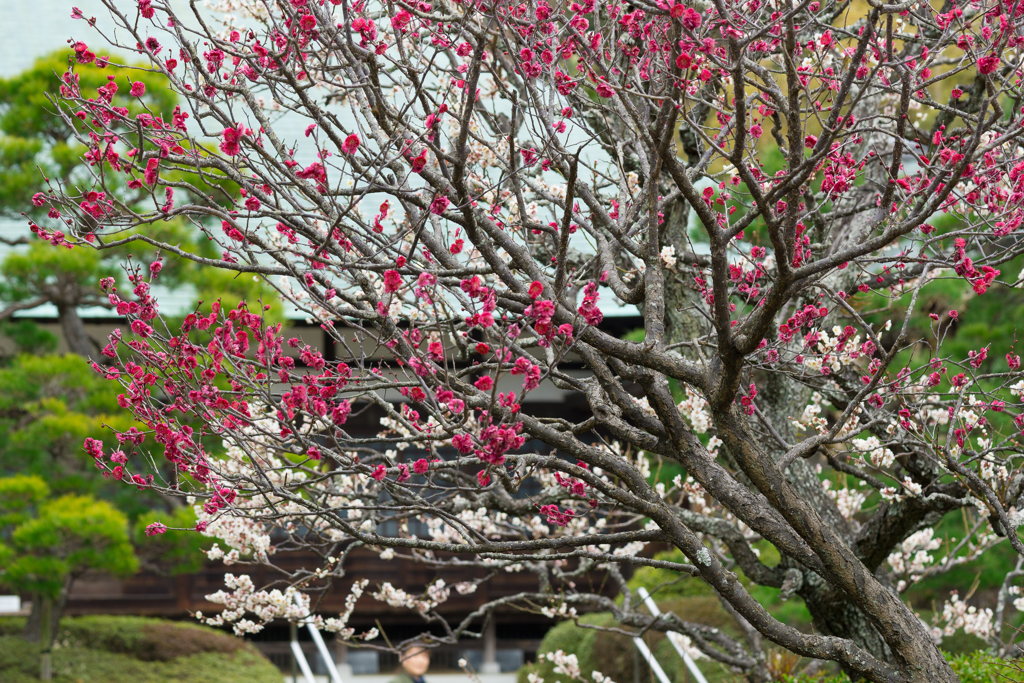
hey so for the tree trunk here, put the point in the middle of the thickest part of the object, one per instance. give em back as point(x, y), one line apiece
point(46, 664)
point(34, 624)
point(75, 336)
point(44, 619)
point(913, 652)
point(834, 616)
point(58, 608)
point(833, 613)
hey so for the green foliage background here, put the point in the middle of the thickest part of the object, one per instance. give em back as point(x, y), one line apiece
point(34, 141)
point(50, 403)
point(55, 539)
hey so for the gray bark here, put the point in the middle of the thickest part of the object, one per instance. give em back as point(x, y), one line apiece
point(834, 612)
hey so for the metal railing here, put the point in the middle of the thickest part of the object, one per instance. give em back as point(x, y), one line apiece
point(318, 640)
point(673, 638)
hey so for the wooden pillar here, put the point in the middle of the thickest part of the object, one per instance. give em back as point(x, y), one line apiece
point(490, 664)
point(341, 658)
point(293, 635)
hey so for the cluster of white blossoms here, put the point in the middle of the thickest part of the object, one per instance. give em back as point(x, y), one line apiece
point(693, 492)
point(568, 665)
point(425, 432)
point(913, 558)
point(970, 419)
point(563, 611)
point(233, 525)
point(236, 525)
point(289, 604)
point(849, 501)
point(1018, 603)
point(481, 155)
point(1017, 389)
point(811, 417)
point(931, 413)
point(436, 593)
point(957, 614)
point(565, 664)
point(245, 599)
point(645, 405)
point(481, 520)
point(911, 486)
point(631, 549)
point(242, 535)
point(339, 624)
point(997, 475)
point(640, 460)
point(668, 256)
point(694, 409)
point(874, 452)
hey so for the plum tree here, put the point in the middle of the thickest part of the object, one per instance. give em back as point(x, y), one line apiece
point(457, 191)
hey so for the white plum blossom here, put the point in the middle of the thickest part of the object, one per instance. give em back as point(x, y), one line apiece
point(563, 611)
point(565, 664)
point(877, 454)
point(957, 614)
point(694, 409)
point(435, 594)
point(914, 556)
point(849, 501)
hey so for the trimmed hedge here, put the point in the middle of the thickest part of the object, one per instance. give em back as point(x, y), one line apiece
point(150, 640)
point(99, 649)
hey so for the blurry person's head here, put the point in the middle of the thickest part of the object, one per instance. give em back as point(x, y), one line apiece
point(415, 659)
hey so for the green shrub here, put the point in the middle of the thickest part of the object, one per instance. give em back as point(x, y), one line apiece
point(975, 667)
point(841, 678)
point(100, 649)
point(12, 626)
point(982, 667)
